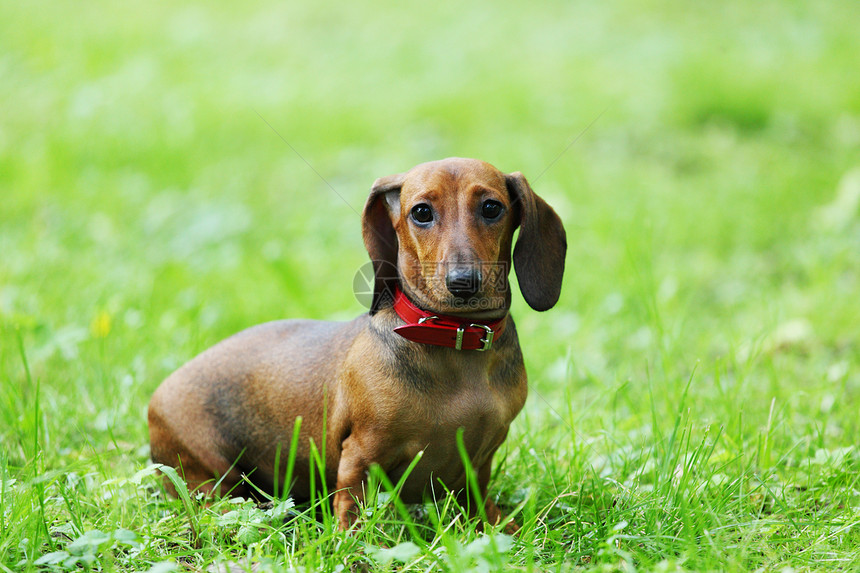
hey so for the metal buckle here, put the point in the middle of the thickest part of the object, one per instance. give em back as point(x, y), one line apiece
point(487, 340)
point(424, 319)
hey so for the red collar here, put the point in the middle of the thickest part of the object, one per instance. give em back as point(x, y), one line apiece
point(444, 330)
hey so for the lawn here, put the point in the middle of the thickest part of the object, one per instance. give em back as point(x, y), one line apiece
point(171, 173)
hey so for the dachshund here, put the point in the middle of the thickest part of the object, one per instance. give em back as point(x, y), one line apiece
point(436, 354)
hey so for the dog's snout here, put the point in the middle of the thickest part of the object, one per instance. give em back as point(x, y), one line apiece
point(464, 283)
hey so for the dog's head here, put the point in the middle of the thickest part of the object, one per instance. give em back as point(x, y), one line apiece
point(443, 232)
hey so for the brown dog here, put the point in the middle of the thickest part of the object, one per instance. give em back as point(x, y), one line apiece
point(440, 237)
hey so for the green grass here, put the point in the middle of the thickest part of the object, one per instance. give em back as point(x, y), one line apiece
point(694, 395)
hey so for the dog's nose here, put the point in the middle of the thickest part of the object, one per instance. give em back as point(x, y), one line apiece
point(463, 283)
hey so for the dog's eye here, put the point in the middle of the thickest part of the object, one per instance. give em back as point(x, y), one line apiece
point(491, 209)
point(422, 213)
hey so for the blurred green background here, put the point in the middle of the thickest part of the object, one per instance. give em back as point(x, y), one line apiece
point(173, 172)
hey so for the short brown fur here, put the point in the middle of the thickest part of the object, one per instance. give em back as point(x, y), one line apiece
point(224, 416)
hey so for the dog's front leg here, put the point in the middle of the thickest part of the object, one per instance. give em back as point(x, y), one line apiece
point(351, 480)
point(494, 517)
point(491, 510)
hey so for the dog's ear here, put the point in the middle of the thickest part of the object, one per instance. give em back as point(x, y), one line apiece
point(377, 229)
point(539, 253)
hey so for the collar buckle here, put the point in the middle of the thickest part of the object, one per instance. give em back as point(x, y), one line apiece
point(488, 337)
